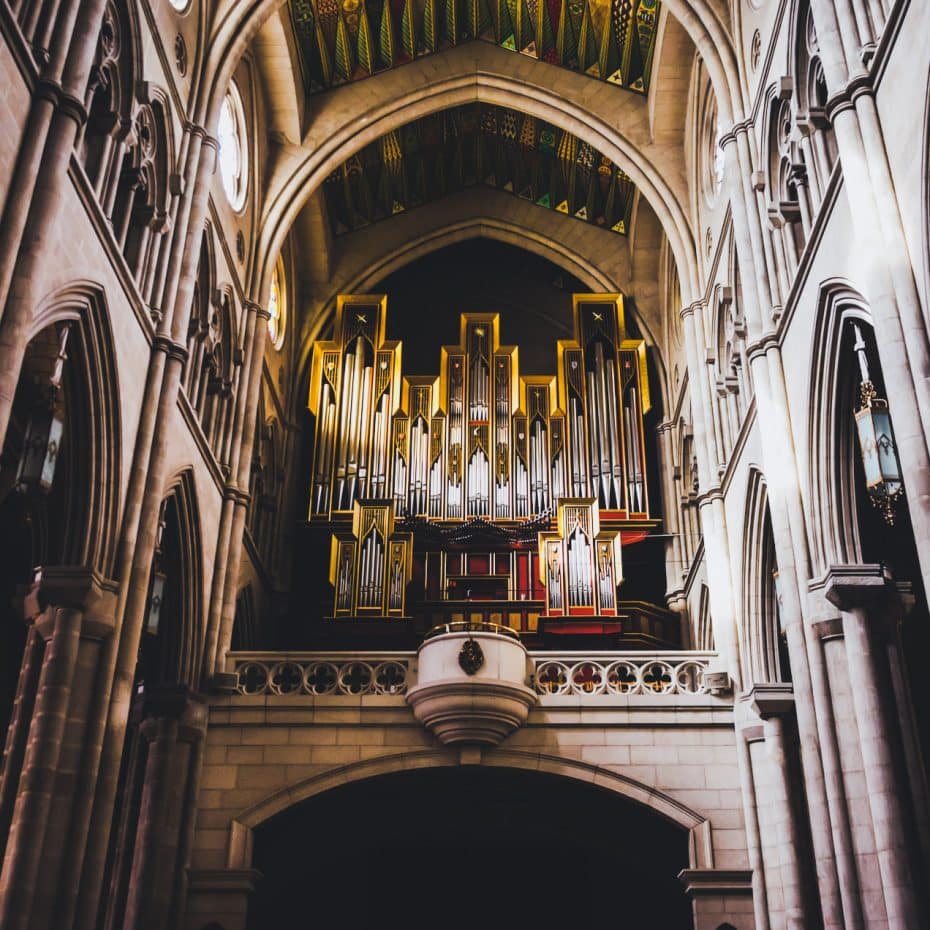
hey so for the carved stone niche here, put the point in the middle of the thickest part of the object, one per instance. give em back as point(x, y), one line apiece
point(471, 684)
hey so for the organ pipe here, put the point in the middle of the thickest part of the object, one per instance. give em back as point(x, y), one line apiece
point(479, 439)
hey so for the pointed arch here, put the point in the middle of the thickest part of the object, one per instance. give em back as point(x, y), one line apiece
point(184, 643)
point(759, 631)
point(833, 537)
point(93, 520)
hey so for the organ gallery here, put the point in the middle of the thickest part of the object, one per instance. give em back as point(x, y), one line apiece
point(479, 493)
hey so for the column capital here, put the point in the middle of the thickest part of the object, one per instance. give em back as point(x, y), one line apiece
point(75, 587)
point(851, 586)
point(772, 699)
point(175, 702)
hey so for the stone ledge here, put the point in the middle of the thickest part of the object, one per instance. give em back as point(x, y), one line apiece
point(716, 881)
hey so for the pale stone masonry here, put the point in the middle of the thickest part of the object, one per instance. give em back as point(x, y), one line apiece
point(778, 246)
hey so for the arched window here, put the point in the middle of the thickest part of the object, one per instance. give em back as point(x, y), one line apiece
point(233, 149)
point(126, 151)
point(711, 154)
point(788, 210)
point(817, 141)
point(277, 306)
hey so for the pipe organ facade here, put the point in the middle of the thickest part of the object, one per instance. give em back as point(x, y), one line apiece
point(479, 440)
point(370, 566)
point(580, 564)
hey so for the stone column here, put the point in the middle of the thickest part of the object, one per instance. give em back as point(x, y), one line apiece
point(712, 514)
point(774, 703)
point(859, 591)
point(748, 733)
point(220, 895)
point(41, 168)
point(174, 726)
point(17, 734)
point(720, 896)
point(74, 611)
point(143, 504)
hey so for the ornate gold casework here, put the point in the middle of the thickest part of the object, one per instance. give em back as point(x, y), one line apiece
point(371, 566)
point(479, 440)
point(580, 564)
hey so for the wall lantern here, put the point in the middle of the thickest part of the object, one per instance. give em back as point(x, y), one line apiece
point(42, 441)
point(876, 441)
point(157, 583)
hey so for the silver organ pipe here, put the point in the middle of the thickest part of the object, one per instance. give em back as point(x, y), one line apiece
point(396, 591)
point(554, 576)
point(419, 466)
point(371, 573)
point(379, 447)
point(436, 475)
point(539, 466)
point(614, 436)
point(456, 438)
point(634, 444)
point(400, 463)
point(502, 429)
point(579, 566)
point(605, 575)
point(520, 476)
point(557, 458)
point(458, 446)
point(362, 431)
point(344, 583)
point(325, 437)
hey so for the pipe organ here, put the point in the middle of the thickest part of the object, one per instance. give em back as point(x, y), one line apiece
point(580, 564)
point(370, 566)
point(437, 494)
point(479, 440)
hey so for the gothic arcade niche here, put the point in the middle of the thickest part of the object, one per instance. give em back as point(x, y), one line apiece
point(480, 494)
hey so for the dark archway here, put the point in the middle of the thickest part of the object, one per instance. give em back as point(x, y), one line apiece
point(459, 846)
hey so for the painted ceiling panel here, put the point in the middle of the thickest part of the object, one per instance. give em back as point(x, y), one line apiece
point(478, 144)
point(344, 40)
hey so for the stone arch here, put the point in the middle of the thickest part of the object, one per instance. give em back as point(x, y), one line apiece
point(187, 642)
point(700, 848)
point(759, 631)
point(93, 524)
point(504, 229)
point(832, 528)
point(652, 168)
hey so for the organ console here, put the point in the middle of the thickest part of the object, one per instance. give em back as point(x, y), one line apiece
point(480, 493)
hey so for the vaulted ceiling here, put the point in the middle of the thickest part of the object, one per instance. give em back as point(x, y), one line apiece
point(478, 144)
point(341, 41)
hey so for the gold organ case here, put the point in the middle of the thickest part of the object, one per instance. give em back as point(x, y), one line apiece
point(397, 458)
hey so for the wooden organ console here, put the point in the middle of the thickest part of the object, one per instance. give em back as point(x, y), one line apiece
point(478, 493)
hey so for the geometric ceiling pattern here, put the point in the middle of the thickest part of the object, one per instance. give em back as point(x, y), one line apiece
point(478, 144)
point(341, 41)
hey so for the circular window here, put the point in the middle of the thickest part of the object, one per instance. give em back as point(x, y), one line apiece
point(276, 307)
point(180, 5)
point(233, 155)
point(711, 153)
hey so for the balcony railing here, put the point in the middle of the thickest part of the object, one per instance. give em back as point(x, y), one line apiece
point(585, 674)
